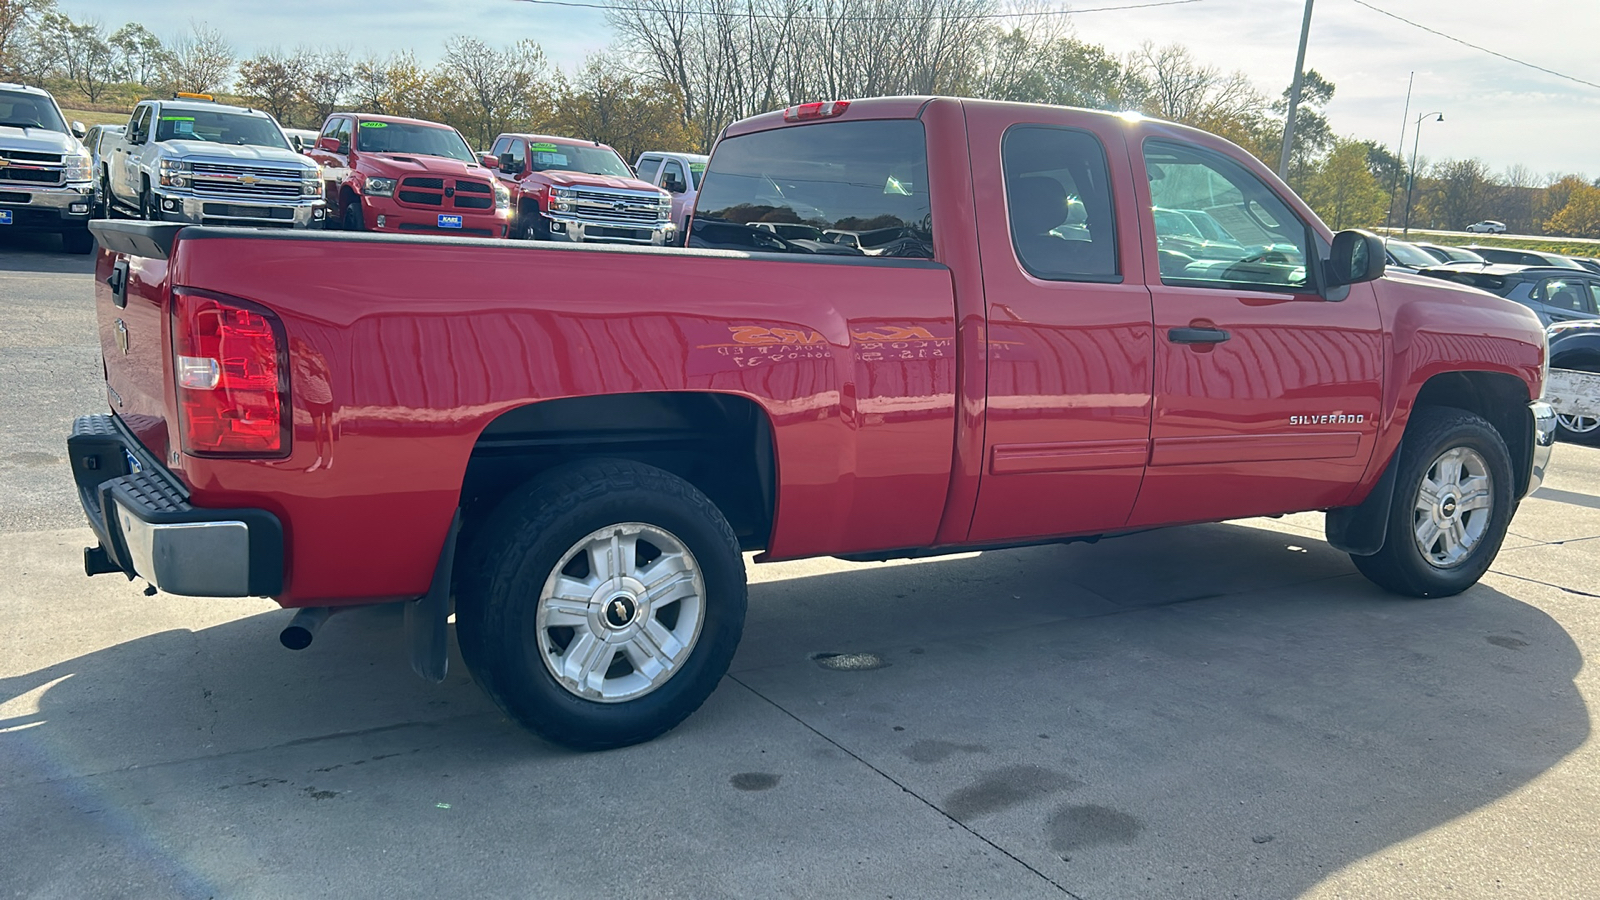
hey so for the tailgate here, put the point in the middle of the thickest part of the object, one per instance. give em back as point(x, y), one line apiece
point(131, 297)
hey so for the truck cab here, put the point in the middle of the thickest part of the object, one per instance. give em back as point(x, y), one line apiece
point(565, 189)
point(190, 159)
point(46, 175)
point(678, 174)
point(398, 175)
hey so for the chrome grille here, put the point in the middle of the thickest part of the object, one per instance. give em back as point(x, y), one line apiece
point(245, 182)
point(615, 206)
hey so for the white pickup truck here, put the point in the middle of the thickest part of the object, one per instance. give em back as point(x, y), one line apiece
point(193, 160)
point(45, 180)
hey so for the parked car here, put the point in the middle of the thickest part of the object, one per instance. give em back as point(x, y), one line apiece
point(191, 159)
point(678, 174)
point(1407, 257)
point(1575, 345)
point(1512, 256)
point(577, 444)
point(1448, 254)
point(46, 174)
point(1487, 226)
point(407, 176)
point(565, 189)
point(302, 139)
point(1588, 262)
point(1555, 294)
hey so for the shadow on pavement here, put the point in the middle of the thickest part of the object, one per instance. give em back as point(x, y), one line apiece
point(41, 253)
point(1210, 712)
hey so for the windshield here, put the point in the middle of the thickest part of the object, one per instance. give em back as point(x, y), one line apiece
point(864, 184)
point(404, 137)
point(20, 110)
point(548, 157)
point(236, 129)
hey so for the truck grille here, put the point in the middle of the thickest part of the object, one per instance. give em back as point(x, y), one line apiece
point(616, 206)
point(31, 173)
point(457, 193)
point(243, 182)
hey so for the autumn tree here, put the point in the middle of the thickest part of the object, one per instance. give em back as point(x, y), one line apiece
point(1343, 190)
point(140, 56)
point(486, 88)
point(271, 80)
point(1026, 67)
point(602, 103)
point(17, 20)
point(327, 76)
point(1579, 216)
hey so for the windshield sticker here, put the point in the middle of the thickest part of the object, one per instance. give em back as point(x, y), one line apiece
point(551, 159)
point(896, 186)
point(374, 124)
point(697, 168)
point(183, 126)
point(543, 148)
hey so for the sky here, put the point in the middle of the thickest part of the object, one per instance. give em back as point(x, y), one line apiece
point(1494, 110)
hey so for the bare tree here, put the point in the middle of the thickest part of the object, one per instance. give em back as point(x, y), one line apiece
point(17, 19)
point(140, 55)
point(327, 76)
point(491, 88)
point(201, 60)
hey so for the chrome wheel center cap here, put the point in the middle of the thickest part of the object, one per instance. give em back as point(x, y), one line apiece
point(620, 611)
point(1447, 507)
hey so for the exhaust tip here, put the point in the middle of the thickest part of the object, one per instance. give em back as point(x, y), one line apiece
point(295, 637)
point(302, 629)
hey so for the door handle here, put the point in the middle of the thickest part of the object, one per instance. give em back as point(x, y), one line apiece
point(1197, 335)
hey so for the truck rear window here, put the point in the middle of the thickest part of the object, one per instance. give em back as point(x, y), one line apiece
point(834, 188)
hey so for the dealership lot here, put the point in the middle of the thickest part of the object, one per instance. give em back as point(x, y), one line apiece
point(1218, 711)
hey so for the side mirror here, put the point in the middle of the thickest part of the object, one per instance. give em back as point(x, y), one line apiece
point(489, 160)
point(78, 131)
point(675, 185)
point(1357, 256)
point(328, 144)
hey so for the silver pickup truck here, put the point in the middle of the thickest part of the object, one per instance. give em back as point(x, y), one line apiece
point(193, 160)
point(46, 177)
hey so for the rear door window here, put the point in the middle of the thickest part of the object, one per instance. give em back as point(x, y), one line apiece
point(1058, 201)
point(1570, 295)
point(847, 188)
point(648, 167)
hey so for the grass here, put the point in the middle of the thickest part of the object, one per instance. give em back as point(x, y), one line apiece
point(1564, 246)
point(94, 117)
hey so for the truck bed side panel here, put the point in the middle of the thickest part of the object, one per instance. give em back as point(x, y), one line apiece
point(422, 344)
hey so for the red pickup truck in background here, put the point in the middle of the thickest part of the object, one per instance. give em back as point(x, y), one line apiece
point(570, 190)
point(406, 176)
point(577, 459)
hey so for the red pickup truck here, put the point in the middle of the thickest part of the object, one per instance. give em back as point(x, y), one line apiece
point(578, 459)
point(407, 176)
point(569, 190)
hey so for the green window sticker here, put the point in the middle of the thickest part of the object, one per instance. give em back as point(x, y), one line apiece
point(697, 168)
point(542, 148)
point(374, 124)
point(177, 118)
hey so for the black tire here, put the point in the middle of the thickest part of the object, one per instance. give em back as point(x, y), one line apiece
point(1401, 565)
point(149, 207)
point(352, 218)
point(102, 200)
point(517, 550)
point(531, 225)
point(78, 241)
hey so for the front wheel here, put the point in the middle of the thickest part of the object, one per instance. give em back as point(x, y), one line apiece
point(353, 220)
point(149, 205)
point(603, 603)
point(1452, 505)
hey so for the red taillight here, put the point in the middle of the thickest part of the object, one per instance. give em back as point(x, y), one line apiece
point(228, 361)
point(823, 110)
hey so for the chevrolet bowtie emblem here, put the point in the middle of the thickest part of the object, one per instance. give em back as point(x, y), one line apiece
point(620, 610)
point(248, 179)
point(4, 163)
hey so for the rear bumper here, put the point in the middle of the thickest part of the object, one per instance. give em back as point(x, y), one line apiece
point(63, 208)
point(147, 528)
point(1543, 416)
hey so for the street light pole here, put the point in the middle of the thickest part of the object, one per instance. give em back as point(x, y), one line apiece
point(1411, 181)
point(1294, 95)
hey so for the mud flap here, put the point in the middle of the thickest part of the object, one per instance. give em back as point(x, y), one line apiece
point(428, 619)
point(1361, 530)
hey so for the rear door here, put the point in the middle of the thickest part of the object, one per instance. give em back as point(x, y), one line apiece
point(1069, 325)
point(1565, 298)
point(1267, 392)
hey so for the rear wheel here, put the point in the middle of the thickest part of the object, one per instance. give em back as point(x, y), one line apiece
point(603, 603)
point(1452, 505)
point(1578, 429)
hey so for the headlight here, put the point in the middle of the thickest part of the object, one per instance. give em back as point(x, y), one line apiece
point(79, 167)
point(502, 197)
point(173, 173)
point(379, 187)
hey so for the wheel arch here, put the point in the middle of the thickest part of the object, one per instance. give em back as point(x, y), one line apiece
point(1501, 399)
point(722, 443)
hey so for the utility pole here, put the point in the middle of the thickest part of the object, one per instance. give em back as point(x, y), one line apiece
point(1294, 95)
point(1399, 153)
